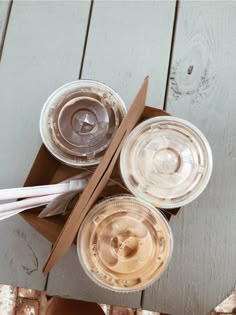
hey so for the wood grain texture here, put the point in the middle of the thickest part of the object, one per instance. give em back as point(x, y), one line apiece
point(40, 53)
point(4, 17)
point(23, 252)
point(129, 40)
point(202, 90)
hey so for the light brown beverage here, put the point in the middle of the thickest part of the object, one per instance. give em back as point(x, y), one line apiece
point(124, 244)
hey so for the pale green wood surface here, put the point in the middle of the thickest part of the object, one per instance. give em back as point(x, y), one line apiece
point(40, 53)
point(127, 40)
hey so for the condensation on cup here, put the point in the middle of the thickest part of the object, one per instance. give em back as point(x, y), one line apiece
point(166, 161)
point(124, 244)
point(79, 120)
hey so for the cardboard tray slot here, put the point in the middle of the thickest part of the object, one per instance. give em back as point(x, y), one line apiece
point(47, 169)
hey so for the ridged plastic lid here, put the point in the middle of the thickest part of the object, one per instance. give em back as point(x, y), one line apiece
point(166, 161)
point(79, 120)
point(124, 244)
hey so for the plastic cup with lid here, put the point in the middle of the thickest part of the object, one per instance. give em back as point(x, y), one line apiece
point(124, 244)
point(79, 120)
point(166, 161)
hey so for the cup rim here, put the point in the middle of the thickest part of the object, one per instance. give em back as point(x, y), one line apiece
point(78, 83)
point(197, 131)
point(150, 207)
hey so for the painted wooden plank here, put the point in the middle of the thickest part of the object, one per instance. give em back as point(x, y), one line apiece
point(43, 49)
point(4, 15)
point(202, 90)
point(127, 41)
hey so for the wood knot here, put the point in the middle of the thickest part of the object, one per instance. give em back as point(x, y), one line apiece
point(190, 69)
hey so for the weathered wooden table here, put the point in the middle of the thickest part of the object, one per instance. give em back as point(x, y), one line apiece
point(188, 49)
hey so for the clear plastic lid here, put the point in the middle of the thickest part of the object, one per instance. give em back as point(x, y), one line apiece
point(79, 120)
point(124, 244)
point(166, 161)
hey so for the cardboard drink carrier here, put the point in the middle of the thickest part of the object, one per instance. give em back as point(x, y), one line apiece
point(46, 169)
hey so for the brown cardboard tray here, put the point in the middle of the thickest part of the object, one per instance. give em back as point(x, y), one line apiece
point(47, 169)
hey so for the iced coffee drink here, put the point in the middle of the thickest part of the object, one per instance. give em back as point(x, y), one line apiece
point(124, 244)
point(79, 120)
